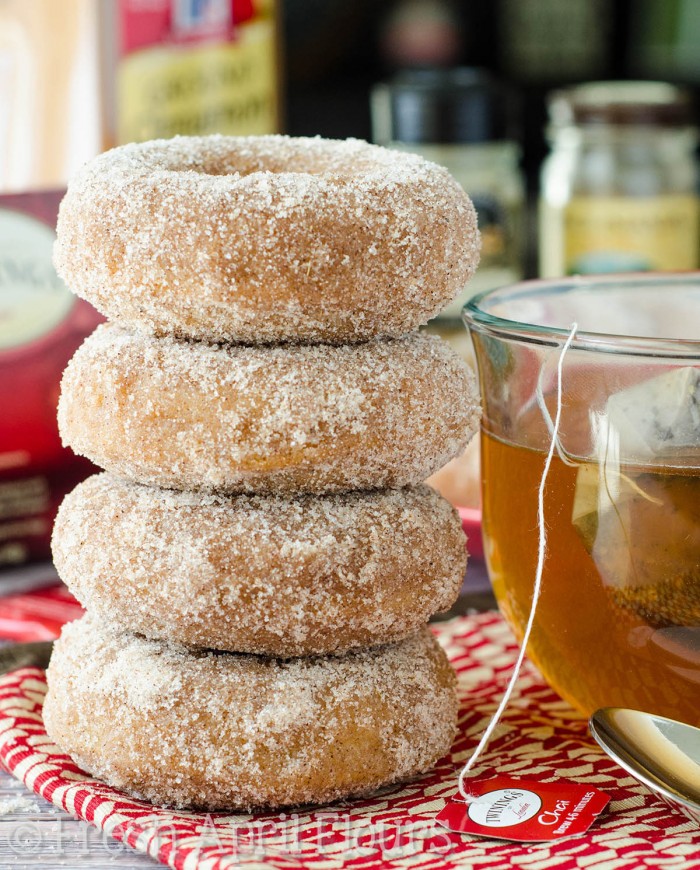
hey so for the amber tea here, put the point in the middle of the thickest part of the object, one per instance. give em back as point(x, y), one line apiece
point(618, 620)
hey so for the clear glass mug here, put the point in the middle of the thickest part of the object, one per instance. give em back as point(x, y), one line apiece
point(618, 619)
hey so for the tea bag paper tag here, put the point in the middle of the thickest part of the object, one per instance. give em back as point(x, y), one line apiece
point(523, 811)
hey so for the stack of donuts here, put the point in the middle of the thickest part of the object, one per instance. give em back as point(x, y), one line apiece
point(259, 559)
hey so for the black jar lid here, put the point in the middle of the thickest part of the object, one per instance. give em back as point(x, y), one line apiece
point(441, 106)
point(622, 103)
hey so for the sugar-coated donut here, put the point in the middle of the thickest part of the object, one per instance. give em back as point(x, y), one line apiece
point(266, 239)
point(224, 731)
point(290, 419)
point(260, 574)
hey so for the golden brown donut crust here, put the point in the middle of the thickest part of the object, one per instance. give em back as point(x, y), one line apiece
point(289, 419)
point(266, 239)
point(225, 731)
point(266, 575)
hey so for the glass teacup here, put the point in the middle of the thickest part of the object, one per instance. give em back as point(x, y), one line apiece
point(618, 620)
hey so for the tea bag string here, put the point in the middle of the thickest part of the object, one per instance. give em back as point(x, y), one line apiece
point(541, 553)
point(544, 410)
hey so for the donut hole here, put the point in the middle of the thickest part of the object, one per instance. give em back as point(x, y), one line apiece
point(230, 156)
point(300, 166)
point(294, 161)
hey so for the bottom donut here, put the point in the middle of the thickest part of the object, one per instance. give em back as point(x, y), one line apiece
point(215, 731)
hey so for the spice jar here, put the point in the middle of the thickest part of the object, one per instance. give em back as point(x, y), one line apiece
point(619, 189)
point(462, 118)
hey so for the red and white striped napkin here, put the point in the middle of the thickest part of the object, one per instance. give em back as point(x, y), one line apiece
point(540, 737)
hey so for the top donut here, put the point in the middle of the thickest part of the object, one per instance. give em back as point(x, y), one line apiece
point(266, 239)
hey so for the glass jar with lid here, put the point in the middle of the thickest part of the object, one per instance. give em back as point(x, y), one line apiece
point(619, 188)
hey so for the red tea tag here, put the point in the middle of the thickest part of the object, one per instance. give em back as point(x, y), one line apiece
point(523, 810)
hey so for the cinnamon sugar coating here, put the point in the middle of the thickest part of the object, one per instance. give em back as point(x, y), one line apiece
point(282, 420)
point(266, 239)
point(260, 574)
point(227, 731)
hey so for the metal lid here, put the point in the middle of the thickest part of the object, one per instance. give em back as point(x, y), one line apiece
point(441, 106)
point(621, 104)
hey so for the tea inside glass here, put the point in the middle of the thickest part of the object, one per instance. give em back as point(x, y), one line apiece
point(618, 620)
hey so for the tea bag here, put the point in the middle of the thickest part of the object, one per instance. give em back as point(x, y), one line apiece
point(658, 418)
point(637, 507)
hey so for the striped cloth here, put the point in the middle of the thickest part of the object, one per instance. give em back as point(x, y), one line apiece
point(540, 738)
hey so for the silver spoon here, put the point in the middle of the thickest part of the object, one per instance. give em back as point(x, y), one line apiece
point(661, 753)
